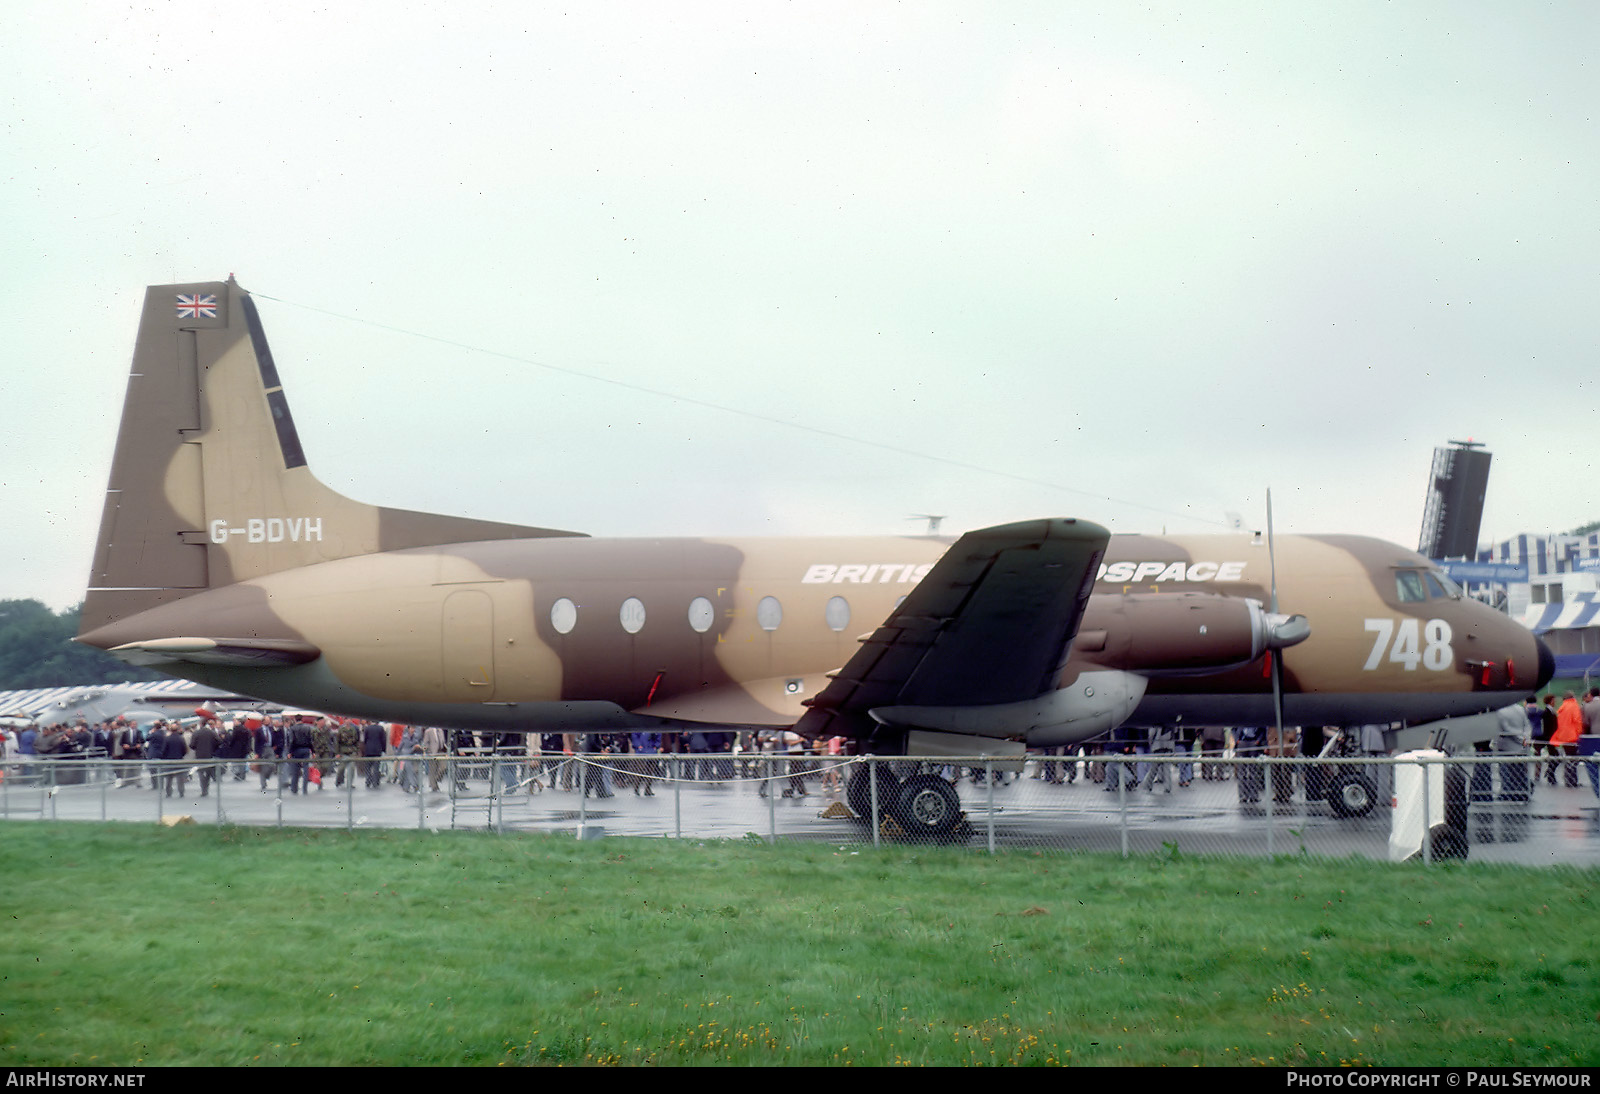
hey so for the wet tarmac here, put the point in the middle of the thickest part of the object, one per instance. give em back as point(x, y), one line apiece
point(1560, 825)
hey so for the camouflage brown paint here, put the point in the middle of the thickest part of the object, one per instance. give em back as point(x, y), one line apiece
point(215, 530)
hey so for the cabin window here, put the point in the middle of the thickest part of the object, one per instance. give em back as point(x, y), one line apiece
point(1408, 583)
point(701, 614)
point(837, 613)
point(769, 613)
point(632, 615)
point(563, 616)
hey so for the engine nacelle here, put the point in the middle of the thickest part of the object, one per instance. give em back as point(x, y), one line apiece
point(1181, 634)
point(1095, 702)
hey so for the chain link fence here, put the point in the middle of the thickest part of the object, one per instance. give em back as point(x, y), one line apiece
point(1517, 809)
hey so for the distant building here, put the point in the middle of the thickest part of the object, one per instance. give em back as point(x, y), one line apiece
point(1561, 600)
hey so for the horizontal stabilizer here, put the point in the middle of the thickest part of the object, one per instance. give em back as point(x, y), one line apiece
point(234, 652)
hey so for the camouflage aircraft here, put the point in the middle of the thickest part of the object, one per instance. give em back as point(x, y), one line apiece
point(222, 559)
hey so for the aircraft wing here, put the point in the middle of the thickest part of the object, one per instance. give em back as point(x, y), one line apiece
point(232, 652)
point(991, 623)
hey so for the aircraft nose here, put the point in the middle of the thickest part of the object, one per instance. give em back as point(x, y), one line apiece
point(1547, 664)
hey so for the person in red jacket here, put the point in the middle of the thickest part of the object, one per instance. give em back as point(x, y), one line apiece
point(1564, 742)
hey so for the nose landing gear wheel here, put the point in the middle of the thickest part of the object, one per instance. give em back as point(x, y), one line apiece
point(1352, 795)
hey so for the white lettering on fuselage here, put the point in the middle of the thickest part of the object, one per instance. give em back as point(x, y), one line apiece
point(906, 573)
point(268, 530)
point(1415, 642)
point(1141, 572)
point(861, 573)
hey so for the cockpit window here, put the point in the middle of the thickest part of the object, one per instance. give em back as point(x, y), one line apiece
point(1408, 583)
point(1451, 589)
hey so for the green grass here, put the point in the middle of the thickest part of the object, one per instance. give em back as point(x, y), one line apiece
point(128, 944)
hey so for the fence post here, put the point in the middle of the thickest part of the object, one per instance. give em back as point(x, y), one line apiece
point(451, 775)
point(1121, 768)
point(1271, 798)
point(771, 786)
point(988, 779)
point(1427, 817)
point(677, 797)
point(583, 793)
point(876, 820)
point(496, 784)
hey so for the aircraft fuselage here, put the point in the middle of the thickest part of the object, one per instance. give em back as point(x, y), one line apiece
point(577, 631)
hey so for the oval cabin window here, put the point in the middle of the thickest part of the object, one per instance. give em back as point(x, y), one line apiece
point(563, 616)
point(632, 615)
point(769, 613)
point(837, 613)
point(701, 614)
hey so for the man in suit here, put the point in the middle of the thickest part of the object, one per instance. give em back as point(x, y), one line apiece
point(175, 749)
point(204, 745)
point(374, 742)
point(155, 747)
point(237, 749)
point(269, 747)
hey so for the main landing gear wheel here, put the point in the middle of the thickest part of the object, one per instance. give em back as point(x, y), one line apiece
point(927, 806)
point(1352, 795)
point(858, 792)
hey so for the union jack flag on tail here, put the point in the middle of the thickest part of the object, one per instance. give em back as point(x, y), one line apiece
point(197, 306)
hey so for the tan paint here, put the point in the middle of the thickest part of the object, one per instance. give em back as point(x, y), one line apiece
point(183, 485)
point(239, 430)
point(417, 608)
point(378, 620)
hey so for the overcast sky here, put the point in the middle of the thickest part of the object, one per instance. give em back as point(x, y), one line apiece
point(753, 268)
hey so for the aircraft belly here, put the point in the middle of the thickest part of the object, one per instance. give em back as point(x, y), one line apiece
point(1350, 708)
point(315, 687)
point(739, 705)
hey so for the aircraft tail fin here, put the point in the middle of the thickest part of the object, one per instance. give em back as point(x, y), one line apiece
point(209, 483)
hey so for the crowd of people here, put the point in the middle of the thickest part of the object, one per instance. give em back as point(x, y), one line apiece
point(306, 753)
point(1553, 731)
point(1155, 760)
